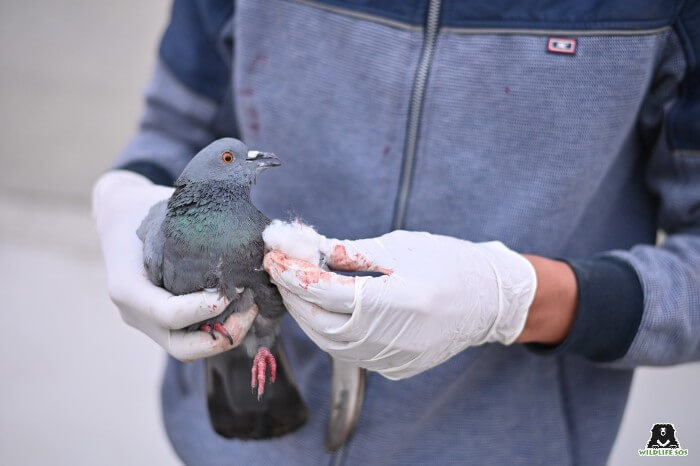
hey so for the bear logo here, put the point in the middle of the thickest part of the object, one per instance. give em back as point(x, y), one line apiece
point(663, 436)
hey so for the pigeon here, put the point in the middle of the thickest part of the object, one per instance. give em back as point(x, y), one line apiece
point(208, 235)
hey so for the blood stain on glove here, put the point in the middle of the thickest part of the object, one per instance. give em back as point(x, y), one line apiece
point(342, 261)
point(314, 275)
point(305, 272)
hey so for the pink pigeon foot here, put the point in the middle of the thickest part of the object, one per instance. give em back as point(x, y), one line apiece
point(207, 328)
point(223, 331)
point(216, 328)
point(258, 372)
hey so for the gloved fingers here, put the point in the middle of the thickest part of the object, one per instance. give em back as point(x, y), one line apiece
point(363, 255)
point(156, 194)
point(332, 331)
point(119, 179)
point(332, 347)
point(109, 183)
point(310, 316)
point(402, 372)
point(327, 330)
point(188, 346)
point(330, 291)
point(110, 190)
point(314, 321)
point(365, 352)
point(177, 312)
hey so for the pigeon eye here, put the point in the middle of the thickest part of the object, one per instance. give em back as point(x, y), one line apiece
point(227, 157)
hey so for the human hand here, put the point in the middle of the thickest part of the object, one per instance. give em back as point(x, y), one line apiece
point(120, 201)
point(437, 296)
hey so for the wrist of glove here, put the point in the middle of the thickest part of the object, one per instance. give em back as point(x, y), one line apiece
point(120, 201)
point(437, 296)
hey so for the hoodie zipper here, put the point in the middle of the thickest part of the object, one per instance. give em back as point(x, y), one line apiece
point(339, 455)
point(420, 82)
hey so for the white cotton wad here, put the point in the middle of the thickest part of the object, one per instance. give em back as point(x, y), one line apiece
point(294, 239)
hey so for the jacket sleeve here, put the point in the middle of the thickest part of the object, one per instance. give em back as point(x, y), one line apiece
point(642, 306)
point(188, 100)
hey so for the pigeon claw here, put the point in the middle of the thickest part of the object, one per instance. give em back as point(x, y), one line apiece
point(207, 328)
point(222, 330)
point(258, 373)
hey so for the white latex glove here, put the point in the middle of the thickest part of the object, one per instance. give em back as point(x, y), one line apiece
point(438, 296)
point(120, 200)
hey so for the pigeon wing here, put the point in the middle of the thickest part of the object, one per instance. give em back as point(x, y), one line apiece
point(152, 233)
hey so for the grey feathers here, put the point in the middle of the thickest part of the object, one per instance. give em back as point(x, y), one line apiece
point(152, 234)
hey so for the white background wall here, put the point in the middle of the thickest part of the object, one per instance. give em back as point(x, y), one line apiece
point(76, 385)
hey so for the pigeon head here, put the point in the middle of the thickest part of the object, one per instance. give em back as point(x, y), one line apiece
point(227, 160)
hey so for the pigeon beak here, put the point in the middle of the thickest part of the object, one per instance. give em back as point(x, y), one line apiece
point(263, 159)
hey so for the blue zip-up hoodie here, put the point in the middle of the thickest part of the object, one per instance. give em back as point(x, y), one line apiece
point(568, 129)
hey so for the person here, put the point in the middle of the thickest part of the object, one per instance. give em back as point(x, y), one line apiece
point(507, 166)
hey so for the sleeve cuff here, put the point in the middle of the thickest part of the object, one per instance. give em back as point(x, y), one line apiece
point(152, 171)
point(608, 312)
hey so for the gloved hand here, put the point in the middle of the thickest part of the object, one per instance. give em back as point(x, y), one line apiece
point(438, 296)
point(120, 200)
